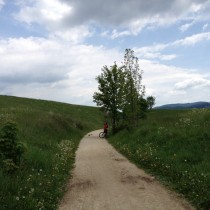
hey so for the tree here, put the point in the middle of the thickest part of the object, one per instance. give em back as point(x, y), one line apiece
point(121, 93)
point(143, 107)
point(111, 92)
point(134, 90)
point(150, 101)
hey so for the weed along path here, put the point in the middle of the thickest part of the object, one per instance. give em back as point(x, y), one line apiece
point(103, 179)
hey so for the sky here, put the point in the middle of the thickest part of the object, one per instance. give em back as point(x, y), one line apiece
point(54, 49)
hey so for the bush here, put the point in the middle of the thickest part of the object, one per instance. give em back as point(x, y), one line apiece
point(9, 166)
point(11, 150)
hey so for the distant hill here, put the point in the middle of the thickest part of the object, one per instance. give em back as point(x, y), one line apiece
point(199, 104)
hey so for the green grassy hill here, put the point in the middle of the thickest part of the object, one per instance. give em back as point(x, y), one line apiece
point(50, 132)
point(173, 145)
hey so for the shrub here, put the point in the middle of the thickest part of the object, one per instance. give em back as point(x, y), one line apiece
point(9, 166)
point(11, 150)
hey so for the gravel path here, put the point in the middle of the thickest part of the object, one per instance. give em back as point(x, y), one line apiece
point(103, 179)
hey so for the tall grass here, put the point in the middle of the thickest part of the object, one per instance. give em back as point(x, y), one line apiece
point(174, 145)
point(51, 132)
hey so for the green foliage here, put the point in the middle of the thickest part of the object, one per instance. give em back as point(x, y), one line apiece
point(111, 92)
point(121, 92)
point(51, 132)
point(134, 74)
point(8, 166)
point(11, 150)
point(150, 101)
point(142, 103)
point(134, 90)
point(9, 131)
point(174, 146)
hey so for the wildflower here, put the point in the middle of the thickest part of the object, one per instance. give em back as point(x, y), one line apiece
point(17, 198)
point(31, 191)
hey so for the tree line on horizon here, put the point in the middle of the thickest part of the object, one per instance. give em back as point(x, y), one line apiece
point(121, 93)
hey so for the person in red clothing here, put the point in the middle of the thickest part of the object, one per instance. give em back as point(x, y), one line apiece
point(106, 128)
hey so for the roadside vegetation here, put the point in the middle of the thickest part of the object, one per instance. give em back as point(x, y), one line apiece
point(121, 94)
point(38, 140)
point(174, 146)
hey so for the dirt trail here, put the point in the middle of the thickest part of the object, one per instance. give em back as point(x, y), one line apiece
point(105, 180)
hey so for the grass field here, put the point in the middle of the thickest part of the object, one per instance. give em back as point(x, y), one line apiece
point(173, 145)
point(50, 132)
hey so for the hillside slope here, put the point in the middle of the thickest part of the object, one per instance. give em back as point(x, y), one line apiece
point(173, 145)
point(51, 132)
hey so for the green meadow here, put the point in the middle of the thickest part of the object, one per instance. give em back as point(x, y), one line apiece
point(174, 146)
point(50, 133)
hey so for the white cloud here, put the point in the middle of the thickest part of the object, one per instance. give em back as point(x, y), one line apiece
point(116, 34)
point(65, 14)
point(154, 51)
point(171, 84)
point(54, 10)
point(192, 40)
point(203, 14)
point(159, 56)
point(168, 57)
point(199, 13)
point(43, 11)
point(74, 35)
point(52, 69)
point(26, 60)
point(51, 14)
point(192, 82)
point(1, 4)
point(186, 26)
point(205, 26)
point(150, 52)
point(56, 70)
